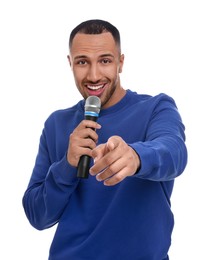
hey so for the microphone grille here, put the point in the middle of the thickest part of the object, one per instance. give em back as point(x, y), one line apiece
point(93, 104)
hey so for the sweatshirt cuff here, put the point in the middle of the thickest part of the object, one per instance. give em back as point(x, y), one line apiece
point(64, 172)
point(147, 158)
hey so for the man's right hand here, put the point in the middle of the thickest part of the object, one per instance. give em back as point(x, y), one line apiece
point(82, 140)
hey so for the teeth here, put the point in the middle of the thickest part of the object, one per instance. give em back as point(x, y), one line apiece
point(95, 87)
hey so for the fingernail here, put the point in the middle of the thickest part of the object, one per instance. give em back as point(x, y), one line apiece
point(98, 177)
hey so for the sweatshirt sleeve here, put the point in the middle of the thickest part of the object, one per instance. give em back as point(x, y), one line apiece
point(52, 183)
point(163, 154)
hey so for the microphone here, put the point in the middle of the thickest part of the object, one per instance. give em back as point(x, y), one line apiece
point(92, 109)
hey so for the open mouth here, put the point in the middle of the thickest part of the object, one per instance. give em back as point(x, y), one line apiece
point(96, 90)
point(95, 87)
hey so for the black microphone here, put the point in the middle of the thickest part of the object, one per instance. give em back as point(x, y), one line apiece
point(92, 109)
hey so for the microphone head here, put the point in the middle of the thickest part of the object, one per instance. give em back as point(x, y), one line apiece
point(93, 105)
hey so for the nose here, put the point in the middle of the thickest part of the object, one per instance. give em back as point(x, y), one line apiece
point(94, 73)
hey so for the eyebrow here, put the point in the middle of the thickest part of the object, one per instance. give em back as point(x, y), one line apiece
point(101, 56)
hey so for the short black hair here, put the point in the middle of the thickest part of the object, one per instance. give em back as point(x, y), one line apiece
point(96, 26)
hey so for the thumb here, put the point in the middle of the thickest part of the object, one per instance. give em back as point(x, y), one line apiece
point(98, 152)
point(113, 142)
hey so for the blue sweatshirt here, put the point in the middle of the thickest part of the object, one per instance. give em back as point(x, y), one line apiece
point(129, 221)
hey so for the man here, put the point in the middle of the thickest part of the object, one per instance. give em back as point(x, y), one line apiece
point(122, 211)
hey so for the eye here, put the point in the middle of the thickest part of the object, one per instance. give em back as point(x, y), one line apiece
point(105, 61)
point(82, 62)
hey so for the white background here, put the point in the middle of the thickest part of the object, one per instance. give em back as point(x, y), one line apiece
point(168, 48)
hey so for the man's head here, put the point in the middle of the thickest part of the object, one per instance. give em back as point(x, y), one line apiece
point(96, 26)
point(96, 61)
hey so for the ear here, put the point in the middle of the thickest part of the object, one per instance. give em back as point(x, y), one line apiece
point(121, 63)
point(69, 60)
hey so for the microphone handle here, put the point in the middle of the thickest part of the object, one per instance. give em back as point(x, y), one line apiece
point(84, 161)
point(83, 167)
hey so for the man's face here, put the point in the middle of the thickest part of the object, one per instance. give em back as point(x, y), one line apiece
point(96, 63)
